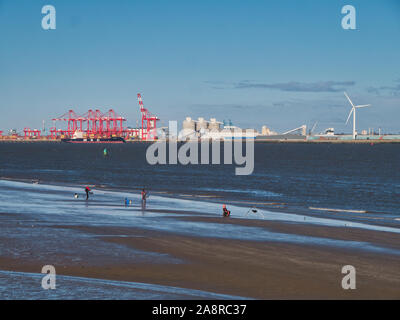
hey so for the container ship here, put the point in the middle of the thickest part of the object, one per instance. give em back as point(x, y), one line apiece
point(79, 137)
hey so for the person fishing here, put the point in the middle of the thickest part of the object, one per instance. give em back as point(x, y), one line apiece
point(144, 196)
point(87, 190)
point(225, 211)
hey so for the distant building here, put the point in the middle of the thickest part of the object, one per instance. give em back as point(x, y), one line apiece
point(230, 133)
point(212, 130)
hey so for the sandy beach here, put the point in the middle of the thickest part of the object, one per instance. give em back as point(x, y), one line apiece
point(237, 151)
point(242, 268)
point(167, 245)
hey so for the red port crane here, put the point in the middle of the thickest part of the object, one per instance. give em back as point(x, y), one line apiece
point(149, 122)
point(114, 123)
point(106, 124)
point(72, 118)
point(29, 133)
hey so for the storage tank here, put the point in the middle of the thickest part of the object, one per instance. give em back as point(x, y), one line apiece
point(265, 131)
point(201, 124)
point(188, 124)
point(214, 125)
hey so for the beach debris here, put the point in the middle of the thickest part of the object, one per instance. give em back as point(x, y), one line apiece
point(253, 210)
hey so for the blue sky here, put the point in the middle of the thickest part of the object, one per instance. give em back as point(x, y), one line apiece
point(276, 63)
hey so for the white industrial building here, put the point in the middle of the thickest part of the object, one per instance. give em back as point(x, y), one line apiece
point(212, 130)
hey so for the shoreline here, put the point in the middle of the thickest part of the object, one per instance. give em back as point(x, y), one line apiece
point(266, 141)
point(368, 217)
point(189, 247)
point(254, 270)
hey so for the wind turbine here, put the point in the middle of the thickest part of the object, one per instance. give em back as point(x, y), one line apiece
point(353, 110)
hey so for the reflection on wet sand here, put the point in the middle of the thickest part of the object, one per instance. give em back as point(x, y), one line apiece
point(185, 243)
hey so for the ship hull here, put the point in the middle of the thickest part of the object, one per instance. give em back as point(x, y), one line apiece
point(95, 140)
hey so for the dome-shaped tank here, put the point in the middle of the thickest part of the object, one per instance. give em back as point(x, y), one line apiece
point(188, 124)
point(201, 124)
point(265, 131)
point(214, 124)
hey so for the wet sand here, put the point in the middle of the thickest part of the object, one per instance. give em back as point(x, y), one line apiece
point(243, 268)
point(186, 244)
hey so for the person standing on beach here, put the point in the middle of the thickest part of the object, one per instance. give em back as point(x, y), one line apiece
point(144, 196)
point(225, 211)
point(87, 190)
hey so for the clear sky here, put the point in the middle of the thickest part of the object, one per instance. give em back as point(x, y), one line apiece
point(277, 63)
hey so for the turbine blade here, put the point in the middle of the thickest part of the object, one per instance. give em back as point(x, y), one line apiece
point(352, 109)
point(363, 106)
point(348, 98)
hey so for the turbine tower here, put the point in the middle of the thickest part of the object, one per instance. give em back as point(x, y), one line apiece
point(353, 110)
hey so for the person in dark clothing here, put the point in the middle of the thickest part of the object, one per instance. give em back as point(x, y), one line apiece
point(144, 196)
point(225, 211)
point(87, 190)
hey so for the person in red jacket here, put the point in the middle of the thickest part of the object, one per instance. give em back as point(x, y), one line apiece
point(225, 211)
point(87, 190)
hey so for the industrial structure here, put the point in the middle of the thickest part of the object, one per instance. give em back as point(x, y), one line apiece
point(353, 111)
point(148, 132)
point(95, 124)
point(212, 129)
point(195, 129)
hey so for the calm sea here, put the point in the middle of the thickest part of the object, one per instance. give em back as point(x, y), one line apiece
point(347, 176)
